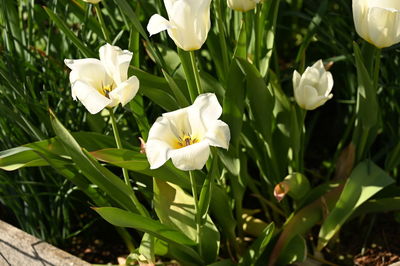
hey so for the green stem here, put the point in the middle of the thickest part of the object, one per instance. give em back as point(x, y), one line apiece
point(221, 35)
point(134, 199)
point(377, 66)
point(196, 209)
point(189, 74)
point(257, 42)
point(102, 24)
point(302, 130)
point(195, 72)
point(367, 134)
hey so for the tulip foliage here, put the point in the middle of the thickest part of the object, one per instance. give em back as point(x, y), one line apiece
point(211, 132)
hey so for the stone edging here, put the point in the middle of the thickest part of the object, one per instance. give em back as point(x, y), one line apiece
point(19, 248)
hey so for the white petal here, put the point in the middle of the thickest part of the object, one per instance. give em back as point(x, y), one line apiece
point(179, 122)
point(192, 157)
point(323, 84)
point(319, 65)
point(360, 18)
point(191, 23)
point(125, 91)
point(383, 26)
point(157, 24)
point(218, 134)
point(157, 152)
point(89, 96)
point(89, 70)
point(116, 62)
point(208, 106)
point(205, 110)
point(296, 79)
point(161, 130)
point(319, 101)
point(310, 77)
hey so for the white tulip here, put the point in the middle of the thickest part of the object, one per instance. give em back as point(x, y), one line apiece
point(312, 89)
point(103, 83)
point(242, 5)
point(92, 1)
point(378, 21)
point(188, 24)
point(186, 135)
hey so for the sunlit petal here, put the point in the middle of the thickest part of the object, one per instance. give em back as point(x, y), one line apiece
point(89, 97)
point(125, 91)
point(218, 134)
point(89, 70)
point(116, 62)
point(157, 24)
point(192, 157)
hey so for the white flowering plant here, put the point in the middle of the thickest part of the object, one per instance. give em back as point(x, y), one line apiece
point(222, 132)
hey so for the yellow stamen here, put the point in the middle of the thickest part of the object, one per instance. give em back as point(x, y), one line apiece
point(105, 90)
point(185, 141)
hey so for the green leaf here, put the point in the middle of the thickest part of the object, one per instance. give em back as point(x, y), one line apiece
point(92, 169)
point(222, 211)
point(146, 247)
point(378, 206)
point(176, 208)
point(137, 162)
point(233, 107)
point(19, 157)
point(206, 191)
point(69, 34)
point(222, 263)
point(122, 218)
point(161, 98)
point(148, 80)
point(261, 99)
point(295, 251)
point(30, 155)
point(241, 45)
point(179, 96)
point(131, 15)
point(367, 104)
point(254, 252)
point(365, 181)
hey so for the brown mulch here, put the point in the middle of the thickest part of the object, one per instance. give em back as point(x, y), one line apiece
point(365, 243)
point(376, 256)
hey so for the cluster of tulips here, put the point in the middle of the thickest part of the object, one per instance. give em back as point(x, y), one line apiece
point(185, 135)
point(188, 136)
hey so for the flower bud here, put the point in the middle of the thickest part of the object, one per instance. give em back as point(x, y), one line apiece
point(295, 185)
point(188, 24)
point(312, 89)
point(377, 21)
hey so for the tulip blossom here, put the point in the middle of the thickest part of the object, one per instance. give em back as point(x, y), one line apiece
point(312, 89)
point(92, 1)
point(188, 24)
point(242, 5)
point(186, 135)
point(377, 21)
point(103, 83)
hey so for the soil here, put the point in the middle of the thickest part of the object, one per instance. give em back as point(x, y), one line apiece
point(100, 244)
point(369, 241)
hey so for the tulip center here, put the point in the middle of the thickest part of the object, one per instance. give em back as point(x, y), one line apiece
point(185, 141)
point(105, 90)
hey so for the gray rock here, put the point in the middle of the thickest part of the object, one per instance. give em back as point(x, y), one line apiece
point(18, 248)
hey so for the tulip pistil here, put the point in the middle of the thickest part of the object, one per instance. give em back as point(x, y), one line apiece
point(105, 90)
point(185, 141)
